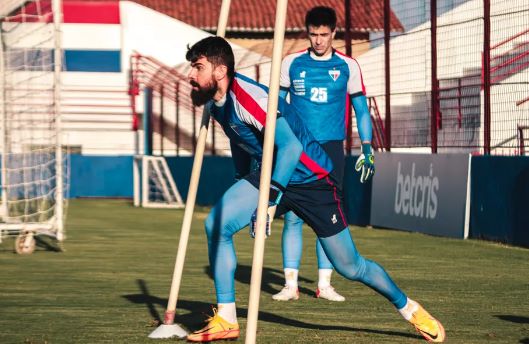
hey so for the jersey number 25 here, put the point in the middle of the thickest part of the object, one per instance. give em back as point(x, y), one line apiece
point(318, 94)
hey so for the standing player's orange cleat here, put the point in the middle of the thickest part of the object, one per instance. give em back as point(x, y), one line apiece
point(429, 327)
point(216, 329)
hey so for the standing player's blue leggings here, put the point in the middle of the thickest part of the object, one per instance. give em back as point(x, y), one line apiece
point(233, 212)
point(292, 244)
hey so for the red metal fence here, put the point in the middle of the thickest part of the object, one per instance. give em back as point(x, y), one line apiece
point(456, 80)
point(458, 76)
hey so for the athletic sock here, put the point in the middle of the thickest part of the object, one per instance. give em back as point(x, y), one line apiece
point(291, 277)
point(324, 279)
point(228, 312)
point(408, 310)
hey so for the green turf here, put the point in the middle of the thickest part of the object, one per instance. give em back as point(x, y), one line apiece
point(112, 282)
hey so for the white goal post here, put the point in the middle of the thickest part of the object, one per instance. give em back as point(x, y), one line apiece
point(154, 186)
point(34, 168)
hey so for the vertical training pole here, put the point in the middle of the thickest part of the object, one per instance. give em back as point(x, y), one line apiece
point(57, 69)
point(192, 192)
point(266, 171)
point(3, 134)
point(223, 18)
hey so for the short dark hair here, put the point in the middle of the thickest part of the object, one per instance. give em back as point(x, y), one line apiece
point(216, 50)
point(321, 16)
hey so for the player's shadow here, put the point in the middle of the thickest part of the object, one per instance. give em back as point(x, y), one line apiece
point(514, 318)
point(194, 319)
point(518, 320)
point(273, 280)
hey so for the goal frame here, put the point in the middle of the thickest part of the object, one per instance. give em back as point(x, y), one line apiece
point(141, 166)
point(54, 226)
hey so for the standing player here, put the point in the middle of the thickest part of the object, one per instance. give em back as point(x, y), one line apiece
point(322, 82)
point(300, 175)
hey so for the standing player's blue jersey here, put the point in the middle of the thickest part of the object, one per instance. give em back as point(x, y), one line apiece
point(320, 90)
point(242, 115)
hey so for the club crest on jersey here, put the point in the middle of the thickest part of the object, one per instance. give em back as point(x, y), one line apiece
point(335, 74)
point(302, 74)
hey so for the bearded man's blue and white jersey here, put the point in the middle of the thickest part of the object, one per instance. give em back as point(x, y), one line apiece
point(320, 90)
point(242, 115)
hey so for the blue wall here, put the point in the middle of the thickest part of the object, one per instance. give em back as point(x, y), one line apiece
point(111, 176)
point(499, 189)
point(216, 176)
point(500, 199)
point(100, 176)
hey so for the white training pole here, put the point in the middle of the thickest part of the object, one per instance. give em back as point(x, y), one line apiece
point(57, 54)
point(3, 135)
point(223, 18)
point(169, 328)
point(266, 172)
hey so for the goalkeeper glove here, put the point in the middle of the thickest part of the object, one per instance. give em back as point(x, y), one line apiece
point(276, 192)
point(365, 164)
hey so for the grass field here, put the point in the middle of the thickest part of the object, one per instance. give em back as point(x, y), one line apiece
point(111, 284)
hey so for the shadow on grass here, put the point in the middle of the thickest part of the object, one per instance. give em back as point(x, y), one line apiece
point(518, 320)
point(273, 280)
point(514, 318)
point(194, 320)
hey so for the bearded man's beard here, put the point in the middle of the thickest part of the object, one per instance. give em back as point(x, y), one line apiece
point(203, 94)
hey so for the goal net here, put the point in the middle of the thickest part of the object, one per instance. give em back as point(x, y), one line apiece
point(34, 173)
point(154, 186)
